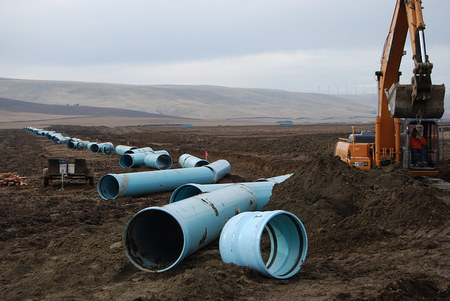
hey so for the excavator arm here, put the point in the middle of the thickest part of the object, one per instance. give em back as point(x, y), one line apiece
point(420, 99)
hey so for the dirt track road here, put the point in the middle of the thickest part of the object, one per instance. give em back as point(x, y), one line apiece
point(373, 235)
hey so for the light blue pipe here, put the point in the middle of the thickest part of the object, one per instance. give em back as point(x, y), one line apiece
point(132, 160)
point(188, 161)
point(139, 150)
point(242, 239)
point(121, 149)
point(72, 144)
point(158, 238)
point(262, 188)
point(64, 140)
point(56, 138)
point(105, 147)
point(154, 159)
point(49, 134)
point(112, 186)
point(93, 147)
point(158, 159)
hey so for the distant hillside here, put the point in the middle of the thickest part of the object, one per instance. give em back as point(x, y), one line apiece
point(199, 102)
point(12, 105)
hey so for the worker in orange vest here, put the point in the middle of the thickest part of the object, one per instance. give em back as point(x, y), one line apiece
point(417, 143)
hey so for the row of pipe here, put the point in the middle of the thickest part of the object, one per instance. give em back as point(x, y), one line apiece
point(106, 148)
point(131, 156)
point(158, 238)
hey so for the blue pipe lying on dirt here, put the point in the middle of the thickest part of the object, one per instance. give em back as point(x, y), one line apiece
point(139, 150)
point(72, 143)
point(107, 148)
point(112, 186)
point(121, 149)
point(154, 159)
point(262, 187)
point(158, 238)
point(158, 159)
point(242, 242)
point(188, 161)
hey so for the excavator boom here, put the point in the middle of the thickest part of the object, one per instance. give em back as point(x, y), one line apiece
point(420, 99)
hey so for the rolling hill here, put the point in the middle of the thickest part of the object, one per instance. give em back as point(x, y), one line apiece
point(200, 102)
point(197, 102)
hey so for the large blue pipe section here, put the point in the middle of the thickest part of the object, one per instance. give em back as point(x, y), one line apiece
point(112, 186)
point(242, 242)
point(139, 150)
point(158, 159)
point(105, 147)
point(188, 161)
point(262, 188)
point(154, 159)
point(158, 238)
point(121, 149)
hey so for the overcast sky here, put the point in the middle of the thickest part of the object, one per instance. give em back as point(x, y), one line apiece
point(324, 46)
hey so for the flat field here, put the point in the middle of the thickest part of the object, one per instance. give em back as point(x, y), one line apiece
point(373, 235)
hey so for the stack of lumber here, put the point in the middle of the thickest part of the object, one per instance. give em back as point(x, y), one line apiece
point(9, 179)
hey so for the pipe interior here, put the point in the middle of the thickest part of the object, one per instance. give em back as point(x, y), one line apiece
point(154, 240)
point(164, 162)
point(108, 187)
point(185, 191)
point(94, 148)
point(126, 161)
point(201, 163)
point(108, 150)
point(288, 246)
point(71, 145)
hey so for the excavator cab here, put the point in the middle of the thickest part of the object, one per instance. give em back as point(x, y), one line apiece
point(429, 129)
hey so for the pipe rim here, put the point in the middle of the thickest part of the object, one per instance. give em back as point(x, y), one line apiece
point(164, 161)
point(279, 264)
point(185, 191)
point(151, 260)
point(108, 187)
point(126, 161)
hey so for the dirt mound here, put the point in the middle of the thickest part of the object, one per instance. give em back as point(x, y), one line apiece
point(346, 203)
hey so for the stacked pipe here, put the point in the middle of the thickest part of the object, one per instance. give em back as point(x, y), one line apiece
point(145, 156)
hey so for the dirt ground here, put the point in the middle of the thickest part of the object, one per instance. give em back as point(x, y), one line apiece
point(373, 235)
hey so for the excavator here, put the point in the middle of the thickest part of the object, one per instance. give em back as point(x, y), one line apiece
point(401, 108)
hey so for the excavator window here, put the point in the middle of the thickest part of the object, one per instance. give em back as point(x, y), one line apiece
point(429, 130)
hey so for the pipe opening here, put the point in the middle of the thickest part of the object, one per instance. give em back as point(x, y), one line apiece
point(164, 162)
point(108, 149)
point(184, 192)
point(94, 148)
point(108, 187)
point(283, 245)
point(201, 163)
point(71, 145)
point(154, 240)
point(126, 161)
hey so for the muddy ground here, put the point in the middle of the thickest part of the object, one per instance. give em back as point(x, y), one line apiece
point(373, 235)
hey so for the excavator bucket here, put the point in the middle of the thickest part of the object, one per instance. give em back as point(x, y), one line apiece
point(403, 105)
